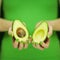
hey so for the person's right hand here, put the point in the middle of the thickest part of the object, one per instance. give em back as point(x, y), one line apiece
point(19, 45)
point(16, 44)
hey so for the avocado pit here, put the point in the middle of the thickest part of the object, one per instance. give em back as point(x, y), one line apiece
point(20, 32)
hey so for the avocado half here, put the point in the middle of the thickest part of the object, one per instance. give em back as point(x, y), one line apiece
point(41, 33)
point(20, 32)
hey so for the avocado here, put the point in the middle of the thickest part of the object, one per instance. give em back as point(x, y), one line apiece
point(20, 32)
point(40, 33)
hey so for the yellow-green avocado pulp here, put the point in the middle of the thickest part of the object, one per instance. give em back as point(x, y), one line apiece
point(41, 33)
point(30, 12)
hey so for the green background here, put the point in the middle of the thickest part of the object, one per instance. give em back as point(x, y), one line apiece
point(30, 12)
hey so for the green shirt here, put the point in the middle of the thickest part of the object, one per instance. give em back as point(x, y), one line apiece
point(30, 12)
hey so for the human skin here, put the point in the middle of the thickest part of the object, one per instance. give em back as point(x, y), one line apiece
point(54, 25)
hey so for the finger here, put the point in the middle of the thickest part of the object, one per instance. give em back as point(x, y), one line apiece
point(44, 45)
point(34, 45)
point(13, 38)
point(25, 45)
point(47, 41)
point(39, 47)
point(30, 39)
point(10, 31)
point(20, 46)
point(15, 44)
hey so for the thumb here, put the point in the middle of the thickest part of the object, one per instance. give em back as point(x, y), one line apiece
point(10, 31)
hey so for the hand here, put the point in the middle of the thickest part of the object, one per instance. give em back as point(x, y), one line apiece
point(19, 45)
point(16, 44)
point(45, 44)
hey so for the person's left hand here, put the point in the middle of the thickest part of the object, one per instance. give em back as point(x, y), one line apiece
point(45, 44)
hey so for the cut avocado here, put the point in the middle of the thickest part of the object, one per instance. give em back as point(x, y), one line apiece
point(20, 32)
point(40, 33)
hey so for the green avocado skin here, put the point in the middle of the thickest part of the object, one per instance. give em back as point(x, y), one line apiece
point(45, 29)
point(18, 27)
point(30, 12)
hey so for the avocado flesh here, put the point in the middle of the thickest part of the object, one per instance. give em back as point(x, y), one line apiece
point(20, 32)
point(40, 33)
